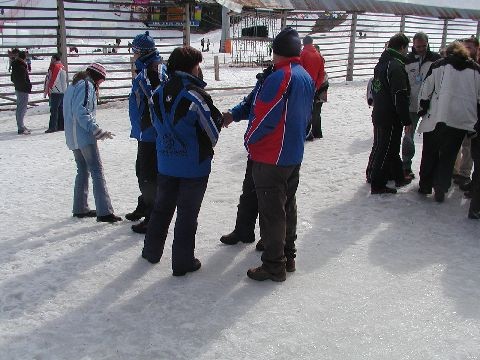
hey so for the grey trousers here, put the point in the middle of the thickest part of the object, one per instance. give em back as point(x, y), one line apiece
point(22, 102)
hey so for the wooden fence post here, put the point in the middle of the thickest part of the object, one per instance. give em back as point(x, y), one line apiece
point(478, 30)
point(62, 35)
point(186, 26)
point(444, 33)
point(216, 65)
point(402, 24)
point(351, 49)
point(283, 20)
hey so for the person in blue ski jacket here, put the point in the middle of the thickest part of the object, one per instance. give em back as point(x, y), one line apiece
point(151, 73)
point(188, 125)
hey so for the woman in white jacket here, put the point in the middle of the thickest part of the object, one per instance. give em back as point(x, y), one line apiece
point(448, 103)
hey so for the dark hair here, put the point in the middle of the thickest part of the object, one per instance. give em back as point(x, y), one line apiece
point(420, 36)
point(79, 76)
point(472, 40)
point(94, 75)
point(398, 41)
point(22, 55)
point(57, 57)
point(183, 59)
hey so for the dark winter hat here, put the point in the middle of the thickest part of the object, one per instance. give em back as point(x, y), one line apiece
point(143, 44)
point(307, 40)
point(287, 43)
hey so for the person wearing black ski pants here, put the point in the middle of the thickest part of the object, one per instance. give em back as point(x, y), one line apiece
point(385, 157)
point(276, 187)
point(440, 149)
point(186, 195)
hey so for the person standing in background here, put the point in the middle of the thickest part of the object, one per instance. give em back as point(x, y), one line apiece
point(54, 87)
point(23, 87)
point(391, 91)
point(150, 74)
point(313, 62)
point(417, 64)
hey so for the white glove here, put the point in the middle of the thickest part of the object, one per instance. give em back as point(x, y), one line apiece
point(102, 135)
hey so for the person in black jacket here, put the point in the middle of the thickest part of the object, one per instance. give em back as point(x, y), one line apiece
point(23, 87)
point(390, 114)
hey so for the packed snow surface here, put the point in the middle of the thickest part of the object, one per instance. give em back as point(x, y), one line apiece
point(378, 277)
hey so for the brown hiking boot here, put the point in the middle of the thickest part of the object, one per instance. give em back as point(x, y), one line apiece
point(260, 274)
point(290, 266)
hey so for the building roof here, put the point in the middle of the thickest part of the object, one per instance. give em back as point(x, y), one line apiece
point(466, 9)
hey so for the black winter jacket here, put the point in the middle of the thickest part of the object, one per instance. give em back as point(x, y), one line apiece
point(20, 77)
point(391, 91)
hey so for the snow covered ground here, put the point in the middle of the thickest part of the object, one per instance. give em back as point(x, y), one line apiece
point(378, 277)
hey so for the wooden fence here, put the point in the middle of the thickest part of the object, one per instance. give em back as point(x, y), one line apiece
point(84, 31)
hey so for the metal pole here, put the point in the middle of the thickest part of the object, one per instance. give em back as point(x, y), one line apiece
point(444, 34)
point(186, 27)
point(402, 24)
point(216, 65)
point(478, 30)
point(62, 35)
point(351, 49)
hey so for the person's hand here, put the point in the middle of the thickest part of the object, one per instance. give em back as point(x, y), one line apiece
point(408, 129)
point(227, 119)
point(102, 135)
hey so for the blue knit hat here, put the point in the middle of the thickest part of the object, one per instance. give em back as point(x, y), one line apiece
point(287, 43)
point(143, 44)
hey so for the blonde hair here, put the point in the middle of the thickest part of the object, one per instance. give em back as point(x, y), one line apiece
point(458, 49)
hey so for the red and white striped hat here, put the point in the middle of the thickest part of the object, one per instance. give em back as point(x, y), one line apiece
point(98, 68)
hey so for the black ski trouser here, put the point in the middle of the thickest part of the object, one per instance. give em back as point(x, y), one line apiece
point(146, 171)
point(247, 211)
point(276, 187)
point(475, 202)
point(385, 162)
point(186, 196)
point(440, 149)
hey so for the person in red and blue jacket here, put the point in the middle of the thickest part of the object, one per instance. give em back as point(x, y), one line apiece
point(279, 110)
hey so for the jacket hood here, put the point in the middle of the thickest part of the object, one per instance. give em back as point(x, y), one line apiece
point(189, 77)
point(459, 63)
point(391, 54)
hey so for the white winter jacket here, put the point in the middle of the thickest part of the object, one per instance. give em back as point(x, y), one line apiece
point(417, 69)
point(450, 94)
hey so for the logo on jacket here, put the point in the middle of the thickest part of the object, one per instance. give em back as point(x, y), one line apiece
point(168, 98)
point(376, 85)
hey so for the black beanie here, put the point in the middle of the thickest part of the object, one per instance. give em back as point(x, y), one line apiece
point(307, 40)
point(287, 43)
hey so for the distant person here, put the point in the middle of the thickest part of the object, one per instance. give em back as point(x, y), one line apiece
point(313, 62)
point(23, 87)
point(12, 55)
point(391, 91)
point(449, 100)
point(208, 45)
point(417, 65)
point(188, 125)
point(55, 86)
point(150, 74)
point(202, 43)
point(29, 61)
point(82, 133)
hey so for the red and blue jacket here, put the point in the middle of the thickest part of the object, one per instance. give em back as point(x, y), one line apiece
point(278, 109)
